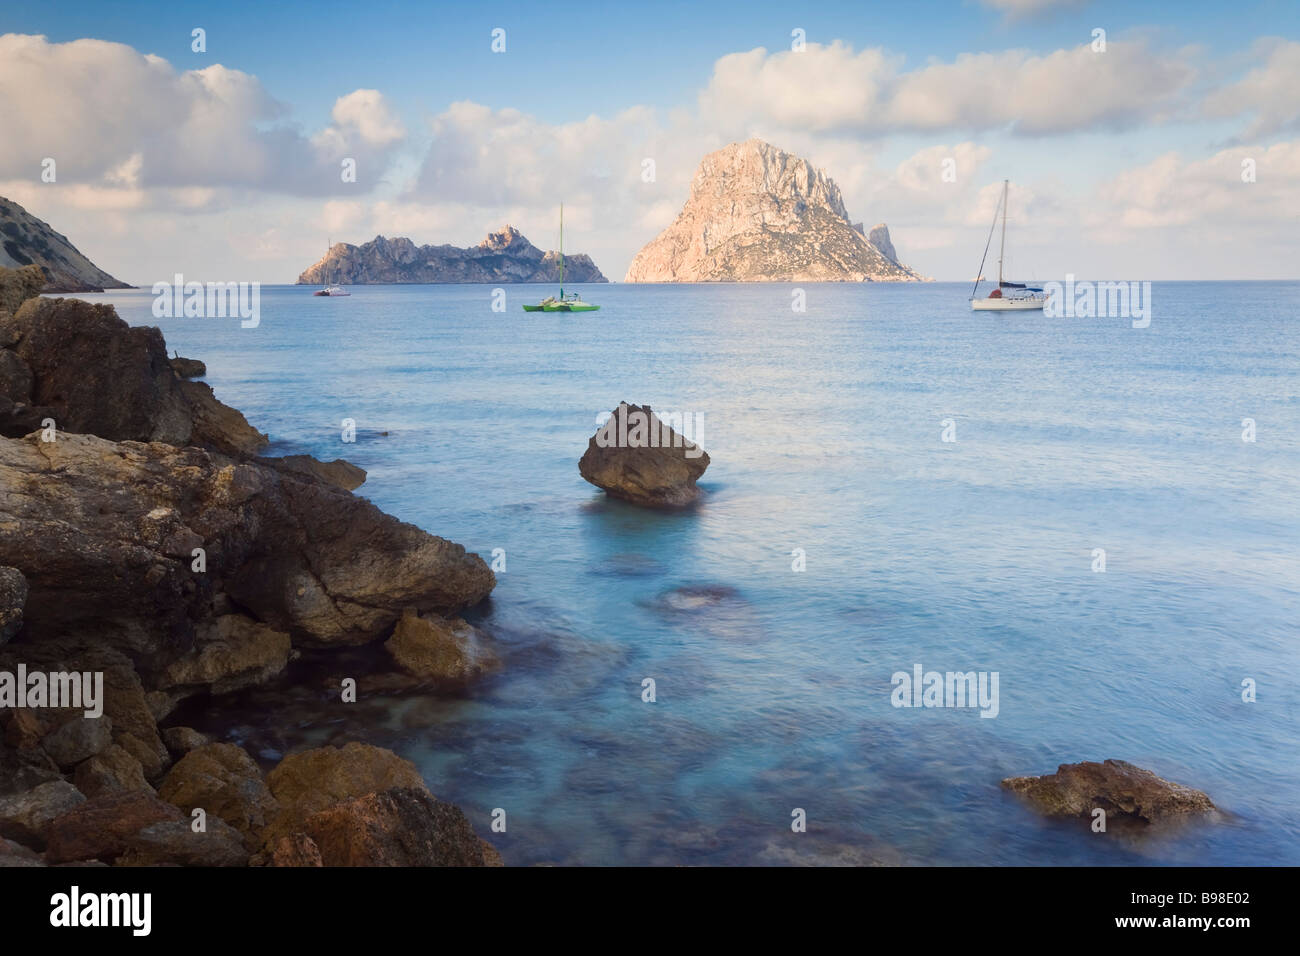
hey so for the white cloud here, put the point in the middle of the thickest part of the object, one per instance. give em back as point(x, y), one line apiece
point(109, 115)
point(833, 88)
point(1270, 92)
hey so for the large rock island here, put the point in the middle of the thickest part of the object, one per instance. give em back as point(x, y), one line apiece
point(759, 214)
point(504, 256)
point(27, 241)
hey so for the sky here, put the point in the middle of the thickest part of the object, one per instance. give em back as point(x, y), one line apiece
point(1144, 140)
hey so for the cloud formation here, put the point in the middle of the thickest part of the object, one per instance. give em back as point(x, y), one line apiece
point(115, 118)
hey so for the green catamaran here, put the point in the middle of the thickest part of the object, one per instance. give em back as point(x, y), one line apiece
point(570, 302)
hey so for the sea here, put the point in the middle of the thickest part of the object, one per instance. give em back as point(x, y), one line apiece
point(1106, 517)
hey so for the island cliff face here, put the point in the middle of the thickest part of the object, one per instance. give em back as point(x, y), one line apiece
point(759, 214)
point(504, 256)
point(27, 241)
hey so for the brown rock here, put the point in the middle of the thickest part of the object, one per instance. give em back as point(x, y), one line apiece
point(304, 783)
point(112, 771)
point(340, 473)
point(223, 780)
point(298, 849)
point(435, 649)
point(108, 547)
point(181, 740)
point(16, 287)
point(101, 829)
point(188, 367)
point(27, 816)
point(1116, 786)
point(13, 595)
point(636, 457)
point(174, 843)
point(399, 827)
point(103, 377)
point(77, 738)
point(230, 652)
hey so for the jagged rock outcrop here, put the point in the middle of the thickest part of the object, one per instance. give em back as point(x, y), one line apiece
point(759, 214)
point(27, 241)
point(879, 237)
point(1116, 786)
point(637, 457)
point(104, 533)
point(81, 365)
point(504, 256)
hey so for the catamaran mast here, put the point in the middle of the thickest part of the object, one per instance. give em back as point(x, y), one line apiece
point(561, 252)
point(1003, 247)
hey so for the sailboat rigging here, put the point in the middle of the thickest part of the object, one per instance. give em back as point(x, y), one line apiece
point(1019, 296)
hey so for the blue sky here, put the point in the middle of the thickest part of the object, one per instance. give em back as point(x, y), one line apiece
point(569, 62)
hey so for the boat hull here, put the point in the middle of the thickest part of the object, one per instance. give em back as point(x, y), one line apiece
point(1007, 305)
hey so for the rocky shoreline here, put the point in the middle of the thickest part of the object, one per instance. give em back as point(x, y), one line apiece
point(145, 544)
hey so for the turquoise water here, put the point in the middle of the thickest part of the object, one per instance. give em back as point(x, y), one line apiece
point(824, 428)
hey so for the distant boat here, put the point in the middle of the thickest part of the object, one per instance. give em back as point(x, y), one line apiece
point(570, 302)
point(1006, 296)
point(331, 289)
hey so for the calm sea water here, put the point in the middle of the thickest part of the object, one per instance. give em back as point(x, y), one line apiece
point(825, 433)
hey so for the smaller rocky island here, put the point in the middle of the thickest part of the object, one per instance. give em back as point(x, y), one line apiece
point(504, 256)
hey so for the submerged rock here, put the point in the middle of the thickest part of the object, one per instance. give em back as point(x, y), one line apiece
point(1116, 786)
point(637, 457)
point(436, 649)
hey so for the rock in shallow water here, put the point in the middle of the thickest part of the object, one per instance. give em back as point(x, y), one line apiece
point(1116, 786)
point(435, 649)
point(637, 457)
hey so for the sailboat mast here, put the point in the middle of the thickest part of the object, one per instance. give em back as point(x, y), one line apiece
point(1006, 183)
point(561, 250)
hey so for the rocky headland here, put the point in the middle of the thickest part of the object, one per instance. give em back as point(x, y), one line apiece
point(759, 214)
point(27, 241)
point(143, 540)
point(504, 256)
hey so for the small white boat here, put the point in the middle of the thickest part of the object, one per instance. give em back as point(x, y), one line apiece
point(1006, 296)
point(330, 288)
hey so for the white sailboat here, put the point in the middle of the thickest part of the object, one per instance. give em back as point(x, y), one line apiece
point(1006, 296)
point(331, 289)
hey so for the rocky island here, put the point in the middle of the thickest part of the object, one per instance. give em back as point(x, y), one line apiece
point(504, 256)
point(27, 241)
point(759, 214)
